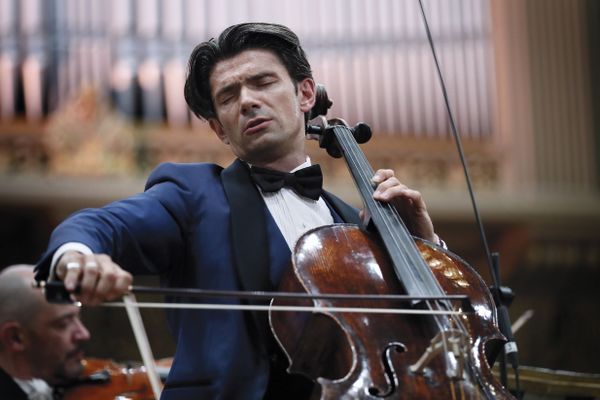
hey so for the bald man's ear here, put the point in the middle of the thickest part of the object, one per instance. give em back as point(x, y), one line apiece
point(12, 336)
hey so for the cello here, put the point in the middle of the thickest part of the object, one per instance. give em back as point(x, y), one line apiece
point(439, 355)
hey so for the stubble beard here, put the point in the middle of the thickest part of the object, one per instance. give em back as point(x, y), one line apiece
point(63, 371)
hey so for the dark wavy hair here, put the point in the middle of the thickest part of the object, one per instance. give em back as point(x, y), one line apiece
point(247, 36)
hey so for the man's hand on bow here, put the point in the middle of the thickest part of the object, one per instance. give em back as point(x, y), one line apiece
point(98, 277)
point(408, 202)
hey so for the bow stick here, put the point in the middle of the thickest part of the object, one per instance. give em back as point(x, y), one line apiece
point(56, 293)
point(139, 332)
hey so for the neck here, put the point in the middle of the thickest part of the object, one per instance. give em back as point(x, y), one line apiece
point(284, 156)
point(284, 164)
point(15, 367)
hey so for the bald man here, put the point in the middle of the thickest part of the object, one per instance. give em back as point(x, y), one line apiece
point(40, 343)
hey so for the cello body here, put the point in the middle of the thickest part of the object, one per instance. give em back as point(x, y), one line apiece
point(369, 356)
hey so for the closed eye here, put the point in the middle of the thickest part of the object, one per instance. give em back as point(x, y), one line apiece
point(265, 82)
point(264, 79)
point(225, 100)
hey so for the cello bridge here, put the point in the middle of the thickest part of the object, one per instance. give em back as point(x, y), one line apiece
point(450, 344)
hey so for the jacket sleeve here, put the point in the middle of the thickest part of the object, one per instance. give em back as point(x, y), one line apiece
point(144, 233)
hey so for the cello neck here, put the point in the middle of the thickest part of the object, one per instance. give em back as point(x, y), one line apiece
point(410, 268)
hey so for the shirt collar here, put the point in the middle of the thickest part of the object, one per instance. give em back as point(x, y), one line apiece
point(306, 163)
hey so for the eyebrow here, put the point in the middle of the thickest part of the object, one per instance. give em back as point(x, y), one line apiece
point(64, 317)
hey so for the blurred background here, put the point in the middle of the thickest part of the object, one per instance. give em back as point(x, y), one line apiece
point(91, 100)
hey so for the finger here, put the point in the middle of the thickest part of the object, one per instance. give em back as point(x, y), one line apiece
point(403, 192)
point(113, 282)
point(122, 285)
point(387, 184)
point(90, 273)
point(388, 192)
point(69, 270)
point(381, 175)
point(107, 284)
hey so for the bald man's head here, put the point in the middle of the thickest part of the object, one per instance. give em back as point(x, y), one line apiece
point(19, 301)
point(37, 339)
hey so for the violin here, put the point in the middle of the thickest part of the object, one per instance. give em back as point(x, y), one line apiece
point(107, 380)
point(439, 355)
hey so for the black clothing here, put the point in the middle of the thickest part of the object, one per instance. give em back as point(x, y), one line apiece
point(9, 389)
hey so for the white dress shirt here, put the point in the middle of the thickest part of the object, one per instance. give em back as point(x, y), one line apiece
point(295, 214)
point(35, 389)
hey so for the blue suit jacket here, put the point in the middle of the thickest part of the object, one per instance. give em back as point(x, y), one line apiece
point(202, 226)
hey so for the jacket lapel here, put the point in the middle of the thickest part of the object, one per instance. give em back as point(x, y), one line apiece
point(249, 243)
point(345, 212)
point(248, 228)
point(248, 221)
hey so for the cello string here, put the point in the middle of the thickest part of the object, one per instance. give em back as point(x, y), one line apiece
point(405, 242)
point(364, 175)
point(409, 255)
point(449, 326)
point(356, 155)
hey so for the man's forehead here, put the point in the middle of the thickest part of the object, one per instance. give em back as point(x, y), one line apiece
point(245, 64)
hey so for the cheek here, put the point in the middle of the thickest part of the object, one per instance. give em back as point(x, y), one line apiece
point(57, 345)
point(292, 107)
point(44, 355)
point(228, 116)
point(229, 126)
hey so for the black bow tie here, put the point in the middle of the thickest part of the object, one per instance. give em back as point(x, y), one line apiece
point(307, 182)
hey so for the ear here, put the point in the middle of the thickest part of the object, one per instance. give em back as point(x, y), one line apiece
point(217, 128)
point(307, 94)
point(12, 336)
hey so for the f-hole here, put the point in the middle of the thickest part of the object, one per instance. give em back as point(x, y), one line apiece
point(391, 375)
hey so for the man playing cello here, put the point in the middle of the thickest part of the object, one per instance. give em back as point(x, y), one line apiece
point(209, 227)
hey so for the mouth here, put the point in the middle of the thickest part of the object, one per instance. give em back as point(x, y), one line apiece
point(77, 354)
point(256, 125)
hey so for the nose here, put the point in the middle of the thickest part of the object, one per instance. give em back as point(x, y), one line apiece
point(248, 100)
point(81, 333)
